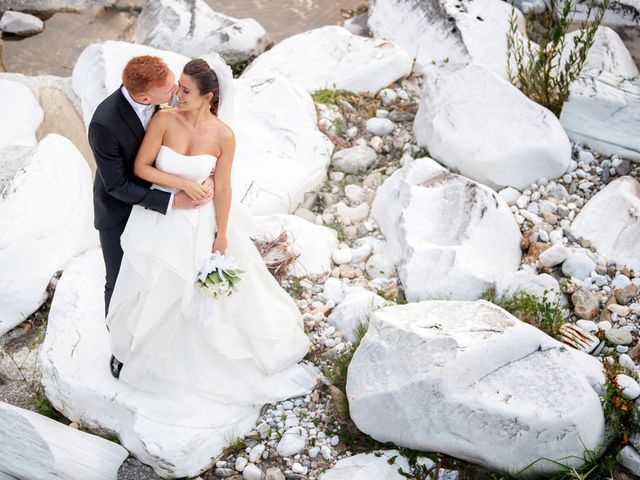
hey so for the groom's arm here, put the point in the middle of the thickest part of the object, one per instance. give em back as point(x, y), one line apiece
point(110, 167)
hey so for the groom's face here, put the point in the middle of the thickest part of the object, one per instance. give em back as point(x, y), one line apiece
point(163, 93)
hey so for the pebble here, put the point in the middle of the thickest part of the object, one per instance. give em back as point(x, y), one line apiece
point(354, 159)
point(299, 469)
point(588, 325)
point(256, 452)
point(630, 388)
point(387, 96)
point(354, 193)
point(252, 472)
point(626, 361)
point(621, 310)
point(241, 462)
point(380, 126)
point(341, 256)
point(293, 440)
point(618, 336)
point(326, 453)
point(630, 459)
point(578, 265)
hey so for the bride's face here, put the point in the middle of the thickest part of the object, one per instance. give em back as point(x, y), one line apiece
point(189, 97)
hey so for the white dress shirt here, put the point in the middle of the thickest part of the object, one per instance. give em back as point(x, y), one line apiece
point(144, 113)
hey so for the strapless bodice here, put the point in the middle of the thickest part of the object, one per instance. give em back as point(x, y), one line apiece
point(193, 167)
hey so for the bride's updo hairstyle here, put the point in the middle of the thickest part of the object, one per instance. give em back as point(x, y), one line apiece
point(205, 79)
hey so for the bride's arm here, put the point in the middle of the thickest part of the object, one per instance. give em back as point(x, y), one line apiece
point(222, 191)
point(143, 166)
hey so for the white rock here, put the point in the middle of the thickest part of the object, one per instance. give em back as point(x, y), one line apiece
point(588, 325)
point(354, 214)
point(469, 380)
point(313, 243)
point(629, 458)
point(193, 29)
point(19, 127)
point(241, 463)
point(299, 469)
point(380, 126)
point(21, 24)
point(529, 282)
point(387, 96)
point(619, 12)
point(607, 54)
point(464, 32)
point(630, 388)
point(34, 446)
point(554, 255)
point(354, 193)
point(334, 289)
point(252, 472)
point(293, 440)
point(176, 433)
point(46, 217)
point(256, 452)
point(602, 112)
point(331, 57)
point(355, 309)
point(620, 281)
point(341, 256)
point(578, 265)
point(384, 465)
point(448, 236)
point(271, 171)
point(358, 254)
point(380, 266)
point(607, 222)
point(510, 195)
point(354, 159)
point(626, 361)
point(489, 108)
point(620, 310)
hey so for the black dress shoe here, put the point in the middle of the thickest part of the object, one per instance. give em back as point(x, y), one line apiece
point(115, 366)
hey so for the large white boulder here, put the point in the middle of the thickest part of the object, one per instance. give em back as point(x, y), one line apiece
point(22, 114)
point(447, 33)
point(449, 236)
point(469, 380)
point(603, 112)
point(46, 217)
point(192, 28)
point(332, 57)
point(384, 465)
point(485, 128)
point(280, 153)
point(313, 243)
point(34, 446)
point(527, 281)
point(178, 434)
point(611, 222)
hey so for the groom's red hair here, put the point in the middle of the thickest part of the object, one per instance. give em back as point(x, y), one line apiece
point(144, 72)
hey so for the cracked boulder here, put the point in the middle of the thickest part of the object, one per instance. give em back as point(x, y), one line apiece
point(447, 33)
point(492, 133)
point(193, 29)
point(46, 217)
point(332, 57)
point(610, 220)
point(470, 380)
point(450, 237)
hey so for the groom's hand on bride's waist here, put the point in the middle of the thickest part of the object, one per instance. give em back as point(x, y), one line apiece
point(182, 200)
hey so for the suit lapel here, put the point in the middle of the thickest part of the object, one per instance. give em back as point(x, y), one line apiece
point(129, 116)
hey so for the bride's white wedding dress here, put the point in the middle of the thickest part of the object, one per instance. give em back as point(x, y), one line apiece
point(241, 350)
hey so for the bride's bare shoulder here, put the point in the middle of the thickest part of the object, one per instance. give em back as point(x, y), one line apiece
point(223, 131)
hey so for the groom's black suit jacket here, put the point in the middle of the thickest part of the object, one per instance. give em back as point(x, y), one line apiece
point(115, 135)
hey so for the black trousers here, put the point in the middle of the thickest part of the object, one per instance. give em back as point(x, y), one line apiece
point(112, 253)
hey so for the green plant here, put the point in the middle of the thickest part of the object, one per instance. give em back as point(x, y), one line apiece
point(329, 96)
point(623, 416)
point(544, 72)
point(337, 372)
point(295, 289)
point(541, 312)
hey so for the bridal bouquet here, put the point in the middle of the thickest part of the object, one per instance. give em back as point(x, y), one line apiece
point(219, 276)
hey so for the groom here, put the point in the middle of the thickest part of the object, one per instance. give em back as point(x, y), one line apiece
point(115, 134)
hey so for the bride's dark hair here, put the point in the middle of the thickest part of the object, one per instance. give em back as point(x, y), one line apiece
point(206, 80)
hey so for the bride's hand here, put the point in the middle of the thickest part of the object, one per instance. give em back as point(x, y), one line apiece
point(194, 189)
point(219, 244)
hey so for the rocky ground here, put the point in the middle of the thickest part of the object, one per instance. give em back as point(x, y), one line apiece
point(302, 437)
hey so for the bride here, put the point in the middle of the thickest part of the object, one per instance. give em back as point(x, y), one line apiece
point(243, 349)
